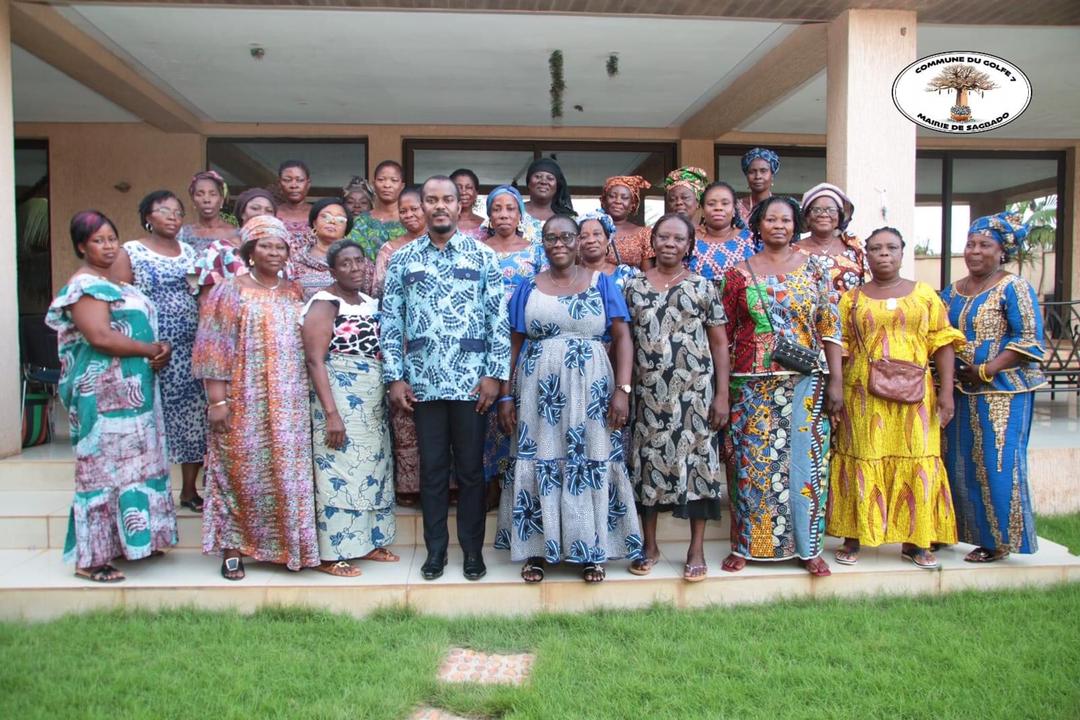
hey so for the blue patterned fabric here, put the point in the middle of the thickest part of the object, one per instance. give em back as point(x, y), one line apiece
point(444, 318)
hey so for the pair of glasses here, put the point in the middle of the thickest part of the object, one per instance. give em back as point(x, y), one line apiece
point(167, 213)
point(334, 219)
point(567, 239)
point(821, 211)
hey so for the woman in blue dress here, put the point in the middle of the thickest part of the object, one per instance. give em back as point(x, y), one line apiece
point(567, 496)
point(163, 268)
point(997, 374)
point(722, 240)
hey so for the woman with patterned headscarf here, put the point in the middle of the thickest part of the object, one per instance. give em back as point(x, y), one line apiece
point(682, 191)
point(248, 352)
point(827, 212)
point(620, 200)
point(208, 193)
point(759, 165)
point(997, 373)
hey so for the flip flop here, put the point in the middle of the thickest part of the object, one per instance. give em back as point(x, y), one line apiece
point(381, 555)
point(917, 557)
point(983, 555)
point(340, 569)
point(194, 504)
point(642, 566)
point(593, 573)
point(845, 555)
point(533, 570)
point(695, 573)
point(820, 569)
point(101, 574)
point(232, 565)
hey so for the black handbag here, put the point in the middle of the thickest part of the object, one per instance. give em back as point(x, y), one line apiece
point(786, 353)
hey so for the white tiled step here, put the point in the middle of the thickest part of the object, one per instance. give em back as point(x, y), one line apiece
point(35, 584)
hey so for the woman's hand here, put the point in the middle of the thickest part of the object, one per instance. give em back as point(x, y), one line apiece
point(619, 410)
point(161, 358)
point(969, 374)
point(218, 417)
point(335, 430)
point(718, 412)
point(945, 407)
point(508, 418)
point(834, 397)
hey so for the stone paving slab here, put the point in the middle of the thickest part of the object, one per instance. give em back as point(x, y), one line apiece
point(463, 665)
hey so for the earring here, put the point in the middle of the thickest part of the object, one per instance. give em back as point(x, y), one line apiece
point(251, 263)
point(149, 227)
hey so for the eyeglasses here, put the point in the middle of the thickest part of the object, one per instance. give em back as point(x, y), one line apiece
point(567, 239)
point(820, 211)
point(167, 213)
point(334, 219)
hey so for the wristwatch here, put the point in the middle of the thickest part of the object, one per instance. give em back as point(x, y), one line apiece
point(625, 388)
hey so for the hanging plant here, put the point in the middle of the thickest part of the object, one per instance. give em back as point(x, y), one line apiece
point(613, 65)
point(558, 83)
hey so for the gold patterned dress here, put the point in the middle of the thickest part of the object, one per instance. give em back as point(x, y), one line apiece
point(887, 482)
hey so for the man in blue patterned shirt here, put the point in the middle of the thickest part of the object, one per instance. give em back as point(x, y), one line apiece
point(445, 336)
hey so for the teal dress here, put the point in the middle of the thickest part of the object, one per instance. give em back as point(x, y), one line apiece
point(123, 504)
point(371, 233)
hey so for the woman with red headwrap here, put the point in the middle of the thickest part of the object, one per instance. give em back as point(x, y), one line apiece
point(630, 245)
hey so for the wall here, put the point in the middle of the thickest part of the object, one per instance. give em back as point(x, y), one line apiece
point(928, 270)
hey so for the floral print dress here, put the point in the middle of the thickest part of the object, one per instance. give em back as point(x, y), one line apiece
point(567, 496)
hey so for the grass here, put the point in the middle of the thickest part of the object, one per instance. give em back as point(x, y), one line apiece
point(1063, 529)
point(984, 655)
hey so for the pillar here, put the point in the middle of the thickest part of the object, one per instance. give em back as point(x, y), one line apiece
point(698, 153)
point(10, 410)
point(383, 144)
point(871, 146)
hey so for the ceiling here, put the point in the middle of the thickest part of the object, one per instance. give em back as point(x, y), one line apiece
point(41, 93)
point(1041, 52)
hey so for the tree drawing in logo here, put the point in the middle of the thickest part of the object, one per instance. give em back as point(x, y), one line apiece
point(962, 79)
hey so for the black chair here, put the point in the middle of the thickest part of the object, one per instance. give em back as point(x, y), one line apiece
point(40, 359)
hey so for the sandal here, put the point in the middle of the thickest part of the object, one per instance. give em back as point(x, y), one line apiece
point(100, 574)
point(642, 566)
point(984, 555)
point(194, 504)
point(695, 573)
point(533, 570)
point(733, 563)
point(232, 568)
point(847, 554)
point(593, 573)
point(381, 555)
point(816, 567)
point(339, 569)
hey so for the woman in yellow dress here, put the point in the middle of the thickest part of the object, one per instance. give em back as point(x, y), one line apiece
point(887, 482)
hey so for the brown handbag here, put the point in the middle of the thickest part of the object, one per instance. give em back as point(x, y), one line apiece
point(896, 380)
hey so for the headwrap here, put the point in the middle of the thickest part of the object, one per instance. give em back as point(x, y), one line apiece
point(562, 203)
point(601, 217)
point(263, 226)
point(692, 177)
point(830, 191)
point(359, 184)
point(1006, 229)
point(764, 154)
point(506, 190)
point(247, 196)
point(635, 183)
point(215, 177)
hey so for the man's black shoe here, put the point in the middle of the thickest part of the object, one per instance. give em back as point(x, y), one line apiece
point(474, 566)
point(433, 566)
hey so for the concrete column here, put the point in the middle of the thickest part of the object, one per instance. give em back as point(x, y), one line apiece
point(698, 153)
point(10, 411)
point(383, 144)
point(870, 145)
point(1071, 253)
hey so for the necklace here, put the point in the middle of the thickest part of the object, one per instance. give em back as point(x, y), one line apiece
point(255, 278)
point(985, 284)
point(672, 278)
point(572, 279)
point(890, 285)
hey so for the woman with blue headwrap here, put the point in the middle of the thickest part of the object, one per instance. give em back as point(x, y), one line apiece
point(997, 373)
point(594, 240)
point(759, 166)
point(519, 260)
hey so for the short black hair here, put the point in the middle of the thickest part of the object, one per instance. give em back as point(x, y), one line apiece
point(759, 212)
point(466, 171)
point(321, 205)
point(691, 231)
point(389, 163)
point(440, 178)
point(561, 216)
point(337, 248)
point(84, 224)
point(736, 218)
point(146, 205)
point(293, 164)
point(887, 229)
point(416, 190)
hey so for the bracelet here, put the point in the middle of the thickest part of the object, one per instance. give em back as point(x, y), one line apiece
point(983, 376)
point(506, 398)
point(219, 403)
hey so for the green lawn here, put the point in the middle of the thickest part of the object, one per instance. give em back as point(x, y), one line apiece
point(1064, 529)
point(967, 655)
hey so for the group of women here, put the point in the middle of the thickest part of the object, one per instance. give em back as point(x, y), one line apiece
point(742, 349)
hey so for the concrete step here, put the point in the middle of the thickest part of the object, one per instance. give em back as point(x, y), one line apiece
point(37, 585)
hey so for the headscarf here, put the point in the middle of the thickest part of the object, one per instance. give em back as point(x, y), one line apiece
point(359, 184)
point(830, 191)
point(601, 217)
point(247, 196)
point(1006, 229)
point(215, 177)
point(692, 177)
point(635, 183)
point(506, 190)
point(263, 226)
point(764, 154)
point(562, 203)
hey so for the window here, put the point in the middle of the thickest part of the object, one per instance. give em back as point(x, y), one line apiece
point(33, 248)
point(253, 162)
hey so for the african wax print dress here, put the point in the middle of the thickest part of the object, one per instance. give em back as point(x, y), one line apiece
point(622, 274)
point(218, 263)
point(516, 266)
point(778, 432)
point(986, 443)
point(674, 457)
point(631, 248)
point(299, 231)
point(200, 243)
point(259, 495)
point(567, 495)
point(123, 505)
point(371, 233)
point(354, 485)
point(712, 259)
point(312, 273)
point(165, 280)
point(887, 481)
point(847, 269)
